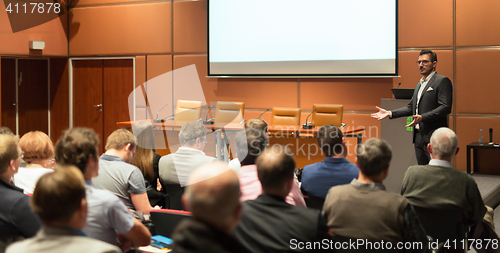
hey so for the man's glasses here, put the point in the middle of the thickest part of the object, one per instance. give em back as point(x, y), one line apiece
point(423, 62)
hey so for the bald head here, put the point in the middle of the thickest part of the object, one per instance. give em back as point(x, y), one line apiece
point(443, 144)
point(275, 167)
point(213, 194)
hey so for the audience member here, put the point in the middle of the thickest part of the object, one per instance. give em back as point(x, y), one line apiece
point(146, 159)
point(250, 143)
point(39, 154)
point(256, 124)
point(212, 195)
point(6, 130)
point(118, 176)
point(17, 221)
point(318, 178)
point(268, 223)
point(59, 201)
point(176, 167)
point(364, 210)
point(107, 214)
point(438, 185)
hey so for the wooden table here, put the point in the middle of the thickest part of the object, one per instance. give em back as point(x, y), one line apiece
point(474, 147)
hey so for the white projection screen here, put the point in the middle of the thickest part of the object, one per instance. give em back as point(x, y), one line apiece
point(302, 38)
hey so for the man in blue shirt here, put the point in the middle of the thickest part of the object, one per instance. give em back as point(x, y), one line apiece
point(318, 178)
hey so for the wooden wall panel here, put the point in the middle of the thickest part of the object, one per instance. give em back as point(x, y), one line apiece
point(140, 80)
point(140, 70)
point(477, 84)
point(158, 65)
point(190, 26)
point(259, 93)
point(468, 132)
point(354, 94)
point(426, 23)
point(82, 3)
point(208, 85)
point(59, 97)
point(408, 68)
point(52, 32)
point(477, 23)
point(159, 84)
point(121, 30)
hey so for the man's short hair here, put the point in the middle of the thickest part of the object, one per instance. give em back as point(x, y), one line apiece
point(75, 146)
point(5, 130)
point(8, 151)
point(119, 138)
point(256, 124)
point(190, 132)
point(275, 166)
point(58, 195)
point(213, 192)
point(433, 56)
point(36, 145)
point(330, 140)
point(374, 156)
point(249, 145)
point(444, 143)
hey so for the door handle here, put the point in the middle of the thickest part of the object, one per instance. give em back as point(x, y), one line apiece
point(99, 106)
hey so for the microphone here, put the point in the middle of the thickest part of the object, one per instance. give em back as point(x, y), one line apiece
point(159, 120)
point(308, 125)
point(207, 121)
point(491, 137)
point(264, 112)
point(399, 84)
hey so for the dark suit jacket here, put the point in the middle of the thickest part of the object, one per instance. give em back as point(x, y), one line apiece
point(269, 224)
point(434, 106)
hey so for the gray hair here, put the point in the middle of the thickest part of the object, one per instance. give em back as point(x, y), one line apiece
point(444, 143)
point(190, 132)
point(374, 156)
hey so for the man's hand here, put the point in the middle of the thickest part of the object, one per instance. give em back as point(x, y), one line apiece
point(381, 114)
point(416, 119)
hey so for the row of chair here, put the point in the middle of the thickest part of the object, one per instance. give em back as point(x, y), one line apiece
point(233, 112)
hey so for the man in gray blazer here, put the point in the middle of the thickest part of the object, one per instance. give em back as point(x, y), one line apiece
point(59, 200)
point(429, 106)
point(176, 167)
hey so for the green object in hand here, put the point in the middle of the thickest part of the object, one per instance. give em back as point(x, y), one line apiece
point(408, 121)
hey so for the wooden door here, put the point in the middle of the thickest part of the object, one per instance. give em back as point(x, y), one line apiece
point(33, 95)
point(87, 95)
point(9, 93)
point(118, 84)
point(100, 94)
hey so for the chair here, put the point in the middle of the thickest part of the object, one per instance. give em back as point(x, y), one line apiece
point(314, 202)
point(187, 110)
point(229, 112)
point(174, 195)
point(443, 224)
point(165, 220)
point(327, 114)
point(285, 116)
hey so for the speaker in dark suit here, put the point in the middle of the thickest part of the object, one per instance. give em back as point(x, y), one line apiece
point(429, 106)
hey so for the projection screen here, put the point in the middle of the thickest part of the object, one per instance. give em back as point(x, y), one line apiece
point(302, 38)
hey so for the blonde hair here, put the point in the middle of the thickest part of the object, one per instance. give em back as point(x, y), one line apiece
point(36, 145)
point(8, 150)
point(119, 139)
